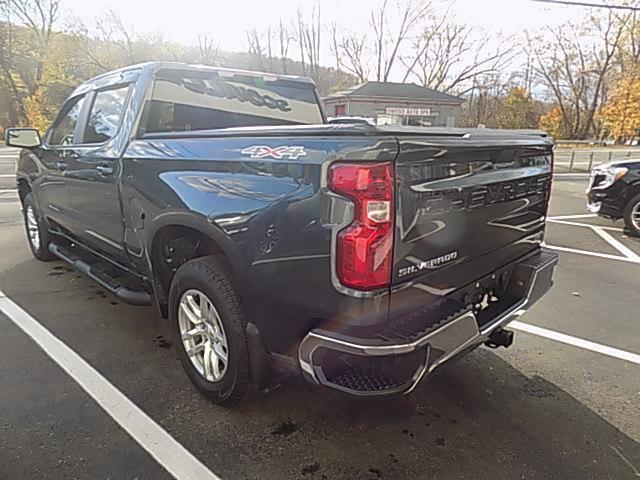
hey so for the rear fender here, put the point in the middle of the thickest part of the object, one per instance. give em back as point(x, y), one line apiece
point(204, 226)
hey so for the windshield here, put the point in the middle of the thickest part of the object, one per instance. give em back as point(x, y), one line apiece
point(188, 101)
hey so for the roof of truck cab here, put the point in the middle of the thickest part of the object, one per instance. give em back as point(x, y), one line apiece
point(113, 76)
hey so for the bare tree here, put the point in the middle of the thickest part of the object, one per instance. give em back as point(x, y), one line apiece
point(284, 40)
point(449, 57)
point(108, 43)
point(256, 49)
point(87, 46)
point(350, 53)
point(628, 55)
point(575, 66)
point(389, 39)
point(270, 48)
point(308, 36)
point(111, 28)
point(392, 25)
point(208, 49)
point(23, 69)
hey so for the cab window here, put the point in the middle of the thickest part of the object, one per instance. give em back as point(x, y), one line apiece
point(65, 126)
point(189, 100)
point(106, 113)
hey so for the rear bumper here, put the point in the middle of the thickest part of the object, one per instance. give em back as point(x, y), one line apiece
point(384, 366)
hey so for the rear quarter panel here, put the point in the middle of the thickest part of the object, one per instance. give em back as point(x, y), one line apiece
point(271, 217)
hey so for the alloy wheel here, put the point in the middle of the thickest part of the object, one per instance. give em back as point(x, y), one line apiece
point(635, 216)
point(32, 228)
point(203, 336)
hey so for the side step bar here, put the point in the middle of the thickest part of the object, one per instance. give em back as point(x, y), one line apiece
point(125, 294)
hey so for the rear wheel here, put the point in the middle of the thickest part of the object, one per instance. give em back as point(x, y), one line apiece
point(632, 216)
point(208, 324)
point(37, 233)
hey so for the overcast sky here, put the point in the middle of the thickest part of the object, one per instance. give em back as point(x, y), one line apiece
point(228, 20)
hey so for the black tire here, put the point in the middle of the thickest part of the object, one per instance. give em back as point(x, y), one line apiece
point(209, 276)
point(40, 251)
point(630, 228)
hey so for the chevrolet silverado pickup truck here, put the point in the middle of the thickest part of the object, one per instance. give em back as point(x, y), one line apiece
point(614, 193)
point(361, 257)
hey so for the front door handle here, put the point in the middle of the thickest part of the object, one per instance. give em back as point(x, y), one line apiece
point(62, 166)
point(104, 170)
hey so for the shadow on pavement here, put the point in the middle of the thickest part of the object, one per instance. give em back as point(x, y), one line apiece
point(479, 418)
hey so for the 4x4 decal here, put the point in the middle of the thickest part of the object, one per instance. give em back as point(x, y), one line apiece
point(284, 151)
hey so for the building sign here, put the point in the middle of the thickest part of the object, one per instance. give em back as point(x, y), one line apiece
point(407, 111)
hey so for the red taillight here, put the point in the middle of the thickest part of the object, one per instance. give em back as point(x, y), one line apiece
point(364, 248)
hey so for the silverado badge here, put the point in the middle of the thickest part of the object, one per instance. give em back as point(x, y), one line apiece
point(429, 264)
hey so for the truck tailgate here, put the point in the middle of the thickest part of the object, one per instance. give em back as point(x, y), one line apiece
point(467, 206)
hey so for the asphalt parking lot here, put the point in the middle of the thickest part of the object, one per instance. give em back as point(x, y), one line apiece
point(543, 409)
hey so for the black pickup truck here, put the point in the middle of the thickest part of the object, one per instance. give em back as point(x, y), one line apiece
point(362, 257)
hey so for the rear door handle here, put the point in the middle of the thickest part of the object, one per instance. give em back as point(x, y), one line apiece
point(61, 166)
point(104, 170)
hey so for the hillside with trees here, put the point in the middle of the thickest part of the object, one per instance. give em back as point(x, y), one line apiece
point(577, 80)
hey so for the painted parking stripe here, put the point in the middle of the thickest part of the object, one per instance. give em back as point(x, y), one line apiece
point(591, 254)
point(622, 248)
point(176, 459)
point(627, 255)
point(568, 217)
point(578, 224)
point(576, 342)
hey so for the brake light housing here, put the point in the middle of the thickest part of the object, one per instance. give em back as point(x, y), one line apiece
point(364, 248)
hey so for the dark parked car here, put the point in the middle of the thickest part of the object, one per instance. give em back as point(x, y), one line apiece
point(614, 193)
point(360, 256)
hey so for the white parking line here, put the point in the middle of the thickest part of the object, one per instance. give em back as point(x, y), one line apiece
point(623, 249)
point(576, 342)
point(590, 254)
point(578, 224)
point(627, 255)
point(568, 217)
point(176, 459)
point(577, 175)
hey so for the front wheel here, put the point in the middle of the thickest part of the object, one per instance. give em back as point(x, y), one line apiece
point(37, 233)
point(209, 325)
point(632, 216)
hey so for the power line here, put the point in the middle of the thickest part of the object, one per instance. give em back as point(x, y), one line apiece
point(585, 4)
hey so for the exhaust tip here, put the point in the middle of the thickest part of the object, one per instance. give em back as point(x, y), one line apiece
point(500, 338)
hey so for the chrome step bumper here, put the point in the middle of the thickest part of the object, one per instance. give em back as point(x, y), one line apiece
point(412, 360)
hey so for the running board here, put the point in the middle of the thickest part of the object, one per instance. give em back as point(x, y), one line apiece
point(133, 297)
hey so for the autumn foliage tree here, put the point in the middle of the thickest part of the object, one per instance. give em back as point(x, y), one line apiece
point(518, 109)
point(552, 122)
point(620, 115)
point(27, 32)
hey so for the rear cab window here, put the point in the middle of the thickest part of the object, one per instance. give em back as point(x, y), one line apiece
point(106, 114)
point(190, 100)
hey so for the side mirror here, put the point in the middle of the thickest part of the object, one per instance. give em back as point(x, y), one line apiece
point(22, 137)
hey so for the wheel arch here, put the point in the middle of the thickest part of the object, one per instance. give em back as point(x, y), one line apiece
point(24, 188)
point(177, 238)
